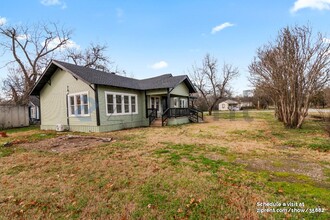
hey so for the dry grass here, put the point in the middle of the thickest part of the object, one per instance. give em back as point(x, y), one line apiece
point(216, 170)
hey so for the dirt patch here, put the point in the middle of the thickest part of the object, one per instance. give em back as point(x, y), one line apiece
point(309, 169)
point(67, 143)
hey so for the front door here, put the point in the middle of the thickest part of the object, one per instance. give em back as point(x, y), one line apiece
point(155, 103)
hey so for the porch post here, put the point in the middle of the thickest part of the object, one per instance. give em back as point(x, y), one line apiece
point(168, 99)
point(146, 102)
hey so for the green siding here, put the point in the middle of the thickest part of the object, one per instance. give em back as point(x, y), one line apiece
point(53, 102)
point(117, 122)
point(180, 90)
point(53, 98)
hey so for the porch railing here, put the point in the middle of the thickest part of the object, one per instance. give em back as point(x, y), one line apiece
point(193, 114)
point(152, 114)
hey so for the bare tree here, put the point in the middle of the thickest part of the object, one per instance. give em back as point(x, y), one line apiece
point(291, 70)
point(13, 85)
point(92, 57)
point(210, 83)
point(31, 47)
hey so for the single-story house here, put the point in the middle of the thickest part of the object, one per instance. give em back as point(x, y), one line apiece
point(34, 111)
point(78, 98)
point(228, 105)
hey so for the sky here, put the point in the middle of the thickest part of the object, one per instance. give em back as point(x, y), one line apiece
point(148, 38)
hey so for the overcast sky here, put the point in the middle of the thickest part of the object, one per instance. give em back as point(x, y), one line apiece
point(148, 37)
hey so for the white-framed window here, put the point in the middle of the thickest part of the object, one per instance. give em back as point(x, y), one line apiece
point(120, 103)
point(32, 112)
point(78, 104)
point(183, 103)
point(176, 103)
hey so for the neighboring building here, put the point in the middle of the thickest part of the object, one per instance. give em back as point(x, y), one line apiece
point(13, 116)
point(83, 99)
point(34, 110)
point(228, 105)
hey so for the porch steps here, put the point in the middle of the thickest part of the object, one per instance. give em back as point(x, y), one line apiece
point(156, 123)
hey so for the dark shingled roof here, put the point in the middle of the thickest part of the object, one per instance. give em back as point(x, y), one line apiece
point(92, 76)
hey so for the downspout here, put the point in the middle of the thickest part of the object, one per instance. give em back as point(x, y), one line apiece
point(97, 107)
point(67, 108)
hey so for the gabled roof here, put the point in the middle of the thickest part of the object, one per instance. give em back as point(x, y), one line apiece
point(92, 76)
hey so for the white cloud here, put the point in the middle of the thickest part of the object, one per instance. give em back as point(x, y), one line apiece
point(313, 4)
point(3, 21)
point(70, 44)
point(159, 65)
point(53, 3)
point(221, 27)
point(22, 37)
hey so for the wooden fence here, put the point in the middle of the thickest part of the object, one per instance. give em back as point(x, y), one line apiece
point(13, 116)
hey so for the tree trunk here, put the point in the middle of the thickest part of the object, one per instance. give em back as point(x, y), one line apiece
point(210, 110)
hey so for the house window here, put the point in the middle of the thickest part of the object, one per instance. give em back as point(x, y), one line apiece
point(133, 104)
point(223, 106)
point(78, 104)
point(32, 112)
point(110, 105)
point(175, 100)
point(182, 103)
point(120, 103)
point(126, 103)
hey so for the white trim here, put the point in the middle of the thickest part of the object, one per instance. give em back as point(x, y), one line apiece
point(74, 95)
point(122, 103)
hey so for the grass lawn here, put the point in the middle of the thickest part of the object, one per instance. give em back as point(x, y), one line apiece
point(230, 167)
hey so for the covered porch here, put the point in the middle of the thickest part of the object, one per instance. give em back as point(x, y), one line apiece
point(165, 108)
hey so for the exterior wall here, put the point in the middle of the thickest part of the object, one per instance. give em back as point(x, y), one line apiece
point(53, 103)
point(223, 106)
point(117, 122)
point(180, 90)
point(14, 116)
point(178, 121)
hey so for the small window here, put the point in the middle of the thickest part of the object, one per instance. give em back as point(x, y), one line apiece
point(32, 112)
point(133, 104)
point(223, 106)
point(110, 103)
point(176, 102)
point(118, 104)
point(182, 103)
point(126, 104)
point(78, 105)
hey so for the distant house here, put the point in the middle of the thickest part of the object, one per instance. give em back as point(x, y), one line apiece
point(34, 111)
point(82, 99)
point(228, 105)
